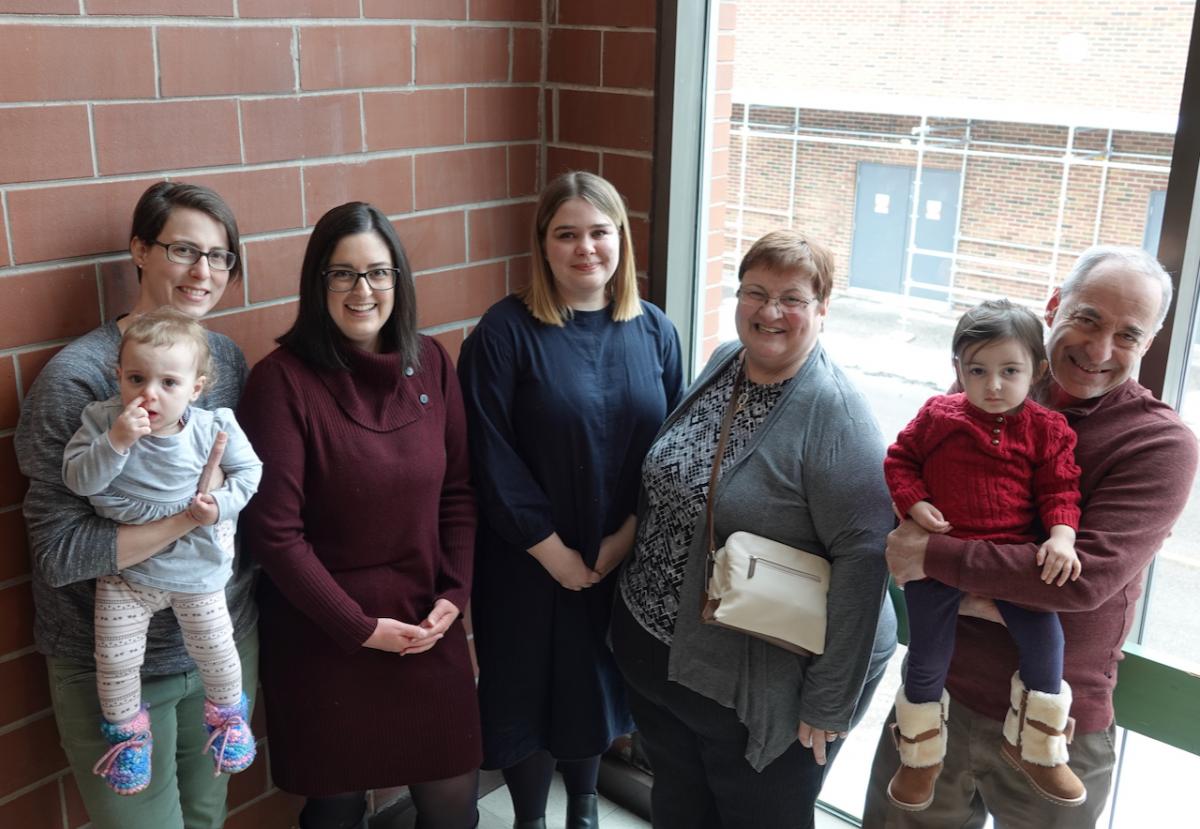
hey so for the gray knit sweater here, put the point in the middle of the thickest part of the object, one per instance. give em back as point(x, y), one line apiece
point(69, 543)
point(811, 477)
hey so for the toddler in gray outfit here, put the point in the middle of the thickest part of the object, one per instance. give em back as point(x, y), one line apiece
point(138, 458)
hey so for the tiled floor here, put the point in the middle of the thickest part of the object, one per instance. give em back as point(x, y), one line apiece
point(495, 812)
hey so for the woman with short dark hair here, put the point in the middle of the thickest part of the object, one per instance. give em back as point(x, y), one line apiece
point(184, 245)
point(364, 526)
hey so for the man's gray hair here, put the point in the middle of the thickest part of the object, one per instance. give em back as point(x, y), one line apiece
point(1135, 259)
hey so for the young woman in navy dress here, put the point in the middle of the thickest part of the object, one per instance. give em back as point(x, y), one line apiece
point(565, 385)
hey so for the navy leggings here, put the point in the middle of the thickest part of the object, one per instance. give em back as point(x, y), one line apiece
point(932, 617)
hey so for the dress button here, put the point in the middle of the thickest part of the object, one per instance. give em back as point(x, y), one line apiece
point(999, 419)
point(408, 371)
point(995, 431)
point(424, 398)
point(995, 441)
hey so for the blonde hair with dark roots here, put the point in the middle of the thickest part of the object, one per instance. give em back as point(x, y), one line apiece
point(541, 296)
point(165, 327)
point(782, 251)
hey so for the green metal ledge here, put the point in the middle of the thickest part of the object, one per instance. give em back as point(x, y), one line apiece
point(1155, 696)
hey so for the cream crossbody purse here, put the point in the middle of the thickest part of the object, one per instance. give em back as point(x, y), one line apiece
point(758, 586)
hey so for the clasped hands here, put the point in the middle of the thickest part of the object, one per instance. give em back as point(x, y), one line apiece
point(566, 566)
point(405, 639)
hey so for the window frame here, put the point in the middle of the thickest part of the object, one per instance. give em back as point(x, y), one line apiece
point(1154, 696)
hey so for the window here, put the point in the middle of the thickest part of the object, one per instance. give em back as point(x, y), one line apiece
point(946, 153)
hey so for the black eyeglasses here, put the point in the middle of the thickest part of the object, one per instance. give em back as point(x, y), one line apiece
point(341, 280)
point(182, 253)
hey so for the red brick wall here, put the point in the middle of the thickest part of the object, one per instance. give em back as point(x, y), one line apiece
point(984, 50)
point(445, 113)
point(599, 112)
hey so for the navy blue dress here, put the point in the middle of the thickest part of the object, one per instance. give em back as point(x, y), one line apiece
point(559, 420)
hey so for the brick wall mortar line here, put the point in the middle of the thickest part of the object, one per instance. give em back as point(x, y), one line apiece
point(201, 22)
point(544, 130)
point(615, 90)
point(100, 291)
point(15, 581)
point(91, 123)
point(62, 789)
point(27, 268)
point(241, 130)
point(154, 57)
point(20, 652)
point(304, 93)
point(316, 161)
point(37, 784)
point(596, 27)
point(294, 51)
point(601, 148)
point(362, 123)
point(7, 225)
point(462, 325)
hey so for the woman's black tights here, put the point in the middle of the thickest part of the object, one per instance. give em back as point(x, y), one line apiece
point(529, 781)
point(440, 804)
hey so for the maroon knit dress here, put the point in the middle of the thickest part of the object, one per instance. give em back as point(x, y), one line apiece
point(364, 511)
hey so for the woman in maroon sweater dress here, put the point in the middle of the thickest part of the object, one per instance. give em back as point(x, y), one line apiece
point(364, 527)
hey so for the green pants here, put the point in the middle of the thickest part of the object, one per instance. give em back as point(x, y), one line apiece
point(183, 793)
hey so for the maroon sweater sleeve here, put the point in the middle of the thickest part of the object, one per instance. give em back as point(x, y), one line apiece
point(1056, 477)
point(456, 511)
point(272, 413)
point(902, 465)
point(1132, 497)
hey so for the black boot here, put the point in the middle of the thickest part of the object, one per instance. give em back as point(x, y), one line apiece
point(535, 823)
point(581, 812)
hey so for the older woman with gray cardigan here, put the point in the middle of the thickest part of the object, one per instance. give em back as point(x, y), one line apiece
point(740, 732)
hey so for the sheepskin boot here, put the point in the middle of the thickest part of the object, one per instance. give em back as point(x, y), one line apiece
point(1037, 729)
point(920, 735)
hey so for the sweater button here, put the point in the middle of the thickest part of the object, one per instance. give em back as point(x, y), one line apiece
point(995, 431)
point(995, 441)
point(424, 398)
point(999, 419)
point(408, 371)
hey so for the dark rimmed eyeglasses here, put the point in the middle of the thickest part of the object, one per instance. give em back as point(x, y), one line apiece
point(754, 298)
point(341, 280)
point(182, 253)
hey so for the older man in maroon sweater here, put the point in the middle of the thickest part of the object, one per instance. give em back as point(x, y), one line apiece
point(1138, 460)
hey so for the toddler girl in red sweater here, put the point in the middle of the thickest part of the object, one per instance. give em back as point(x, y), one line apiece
point(988, 463)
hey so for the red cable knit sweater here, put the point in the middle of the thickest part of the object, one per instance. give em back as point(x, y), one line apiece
point(1138, 460)
point(992, 476)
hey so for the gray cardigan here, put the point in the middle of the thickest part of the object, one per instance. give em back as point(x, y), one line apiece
point(811, 477)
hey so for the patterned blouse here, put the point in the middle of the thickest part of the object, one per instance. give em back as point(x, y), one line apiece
point(675, 477)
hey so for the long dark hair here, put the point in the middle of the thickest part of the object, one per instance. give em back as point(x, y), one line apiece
point(314, 337)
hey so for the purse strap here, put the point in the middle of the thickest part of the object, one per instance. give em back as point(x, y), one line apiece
point(722, 441)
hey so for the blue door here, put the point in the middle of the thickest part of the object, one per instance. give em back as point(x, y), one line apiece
point(882, 211)
point(936, 218)
point(880, 227)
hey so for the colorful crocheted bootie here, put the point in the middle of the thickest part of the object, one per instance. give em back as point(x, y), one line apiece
point(229, 736)
point(125, 767)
